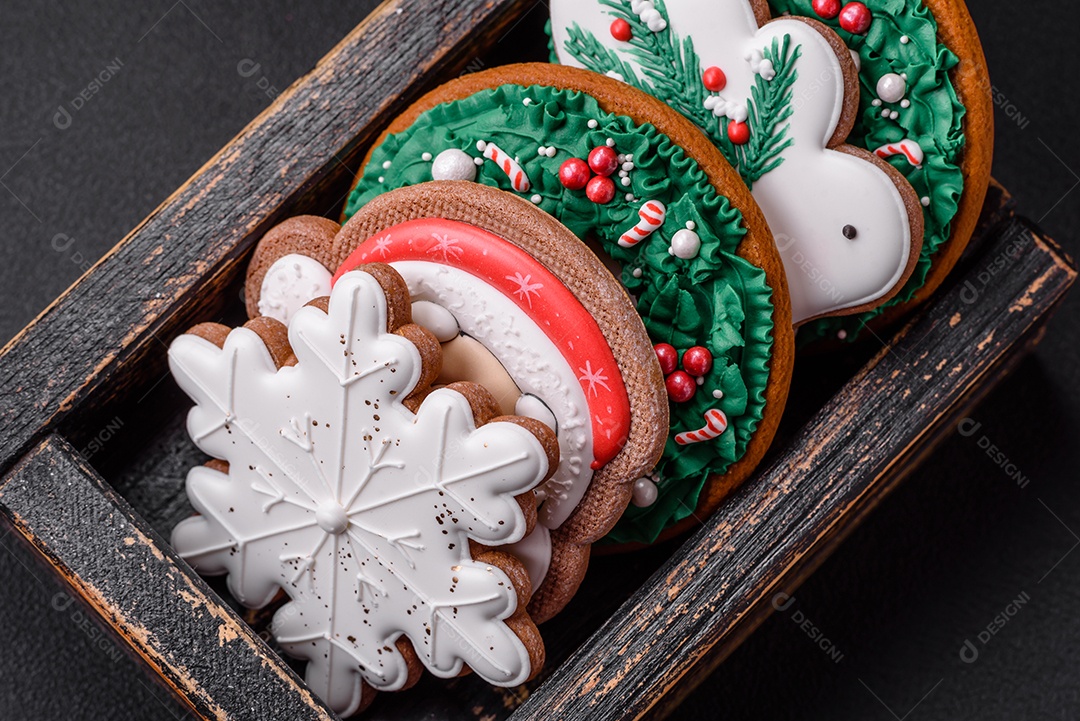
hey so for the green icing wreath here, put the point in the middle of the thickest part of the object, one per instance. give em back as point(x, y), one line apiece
point(715, 299)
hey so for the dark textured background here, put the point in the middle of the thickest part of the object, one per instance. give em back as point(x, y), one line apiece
point(932, 568)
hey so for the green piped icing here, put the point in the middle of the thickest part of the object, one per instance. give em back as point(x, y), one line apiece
point(716, 299)
point(934, 121)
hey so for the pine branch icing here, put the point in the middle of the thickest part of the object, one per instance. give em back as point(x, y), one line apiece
point(771, 97)
point(358, 508)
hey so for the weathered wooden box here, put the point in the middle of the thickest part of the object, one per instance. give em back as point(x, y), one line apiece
point(90, 374)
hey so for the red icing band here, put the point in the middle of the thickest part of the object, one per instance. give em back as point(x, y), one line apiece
point(539, 294)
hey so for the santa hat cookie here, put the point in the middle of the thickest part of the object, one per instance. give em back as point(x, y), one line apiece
point(925, 106)
point(628, 174)
point(373, 502)
point(520, 305)
point(779, 99)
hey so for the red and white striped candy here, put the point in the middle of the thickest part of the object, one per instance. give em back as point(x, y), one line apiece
point(906, 147)
point(715, 424)
point(507, 164)
point(652, 216)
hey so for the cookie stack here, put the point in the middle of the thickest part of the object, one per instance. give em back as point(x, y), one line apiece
point(561, 309)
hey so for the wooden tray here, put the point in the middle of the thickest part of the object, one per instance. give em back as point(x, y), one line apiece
point(93, 451)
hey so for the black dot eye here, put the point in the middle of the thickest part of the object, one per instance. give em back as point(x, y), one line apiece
point(850, 232)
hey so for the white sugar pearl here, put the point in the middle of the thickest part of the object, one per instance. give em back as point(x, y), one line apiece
point(527, 102)
point(841, 334)
point(718, 394)
point(691, 225)
point(481, 145)
point(904, 39)
point(593, 124)
point(905, 103)
point(541, 150)
point(926, 201)
point(426, 157)
point(454, 164)
point(386, 165)
point(478, 161)
point(894, 115)
point(637, 273)
point(685, 244)
point(876, 103)
point(891, 88)
point(645, 492)
point(551, 152)
point(625, 182)
point(536, 199)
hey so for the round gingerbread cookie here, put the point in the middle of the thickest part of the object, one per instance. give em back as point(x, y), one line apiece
point(649, 192)
point(377, 504)
point(925, 105)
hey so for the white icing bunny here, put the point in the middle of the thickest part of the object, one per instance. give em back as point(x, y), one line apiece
point(842, 222)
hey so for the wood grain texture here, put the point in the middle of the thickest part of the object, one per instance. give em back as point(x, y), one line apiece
point(158, 605)
point(722, 583)
point(176, 263)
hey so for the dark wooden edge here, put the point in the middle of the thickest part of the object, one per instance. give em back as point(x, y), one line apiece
point(176, 263)
point(151, 598)
point(723, 582)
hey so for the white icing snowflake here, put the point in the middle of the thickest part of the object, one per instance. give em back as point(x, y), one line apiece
point(526, 288)
point(447, 246)
point(382, 245)
point(593, 378)
point(359, 509)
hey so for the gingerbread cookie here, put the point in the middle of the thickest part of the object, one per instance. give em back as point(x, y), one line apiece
point(779, 98)
point(636, 179)
point(377, 505)
point(925, 106)
point(520, 305)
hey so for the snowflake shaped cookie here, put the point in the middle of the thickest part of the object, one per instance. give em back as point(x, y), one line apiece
point(358, 499)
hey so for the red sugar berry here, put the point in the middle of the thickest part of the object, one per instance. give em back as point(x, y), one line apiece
point(680, 386)
point(600, 190)
point(697, 361)
point(620, 30)
point(738, 133)
point(714, 78)
point(668, 357)
point(574, 174)
point(855, 18)
point(604, 160)
point(827, 9)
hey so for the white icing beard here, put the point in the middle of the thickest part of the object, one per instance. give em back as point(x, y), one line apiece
point(810, 198)
point(291, 283)
point(531, 359)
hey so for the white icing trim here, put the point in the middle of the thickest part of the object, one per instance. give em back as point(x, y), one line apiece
point(292, 281)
